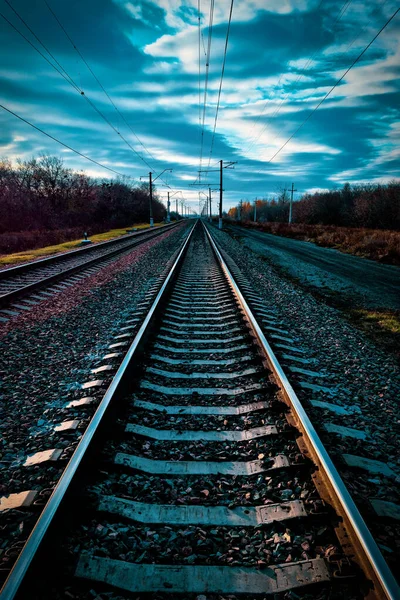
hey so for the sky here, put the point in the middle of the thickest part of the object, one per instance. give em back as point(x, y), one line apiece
point(132, 91)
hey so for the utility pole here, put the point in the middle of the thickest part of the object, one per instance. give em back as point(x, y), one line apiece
point(291, 203)
point(209, 198)
point(221, 166)
point(255, 210)
point(151, 199)
point(176, 208)
point(151, 192)
point(168, 212)
point(240, 210)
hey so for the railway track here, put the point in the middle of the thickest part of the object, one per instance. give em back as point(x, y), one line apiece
point(200, 475)
point(48, 276)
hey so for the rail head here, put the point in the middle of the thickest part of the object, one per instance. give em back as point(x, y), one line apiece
point(20, 568)
point(372, 560)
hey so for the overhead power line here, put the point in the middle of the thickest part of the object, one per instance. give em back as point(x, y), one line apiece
point(341, 13)
point(335, 85)
point(36, 37)
point(60, 142)
point(279, 80)
point(97, 79)
point(70, 80)
point(39, 52)
point(208, 58)
point(220, 83)
point(199, 26)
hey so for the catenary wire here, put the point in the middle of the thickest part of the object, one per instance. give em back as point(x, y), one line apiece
point(199, 35)
point(220, 83)
point(334, 86)
point(208, 58)
point(37, 38)
point(279, 80)
point(78, 89)
point(62, 143)
point(97, 79)
point(341, 13)
point(40, 52)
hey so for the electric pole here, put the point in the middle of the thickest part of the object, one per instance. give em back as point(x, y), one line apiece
point(220, 169)
point(209, 198)
point(151, 199)
point(168, 212)
point(291, 203)
point(240, 210)
point(255, 210)
point(151, 181)
point(221, 166)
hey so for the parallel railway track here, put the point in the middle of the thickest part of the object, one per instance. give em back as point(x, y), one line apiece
point(200, 474)
point(18, 282)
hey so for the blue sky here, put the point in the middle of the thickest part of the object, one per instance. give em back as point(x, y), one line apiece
point(283, 56)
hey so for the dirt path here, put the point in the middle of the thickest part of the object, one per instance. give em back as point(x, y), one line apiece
point(369, 284)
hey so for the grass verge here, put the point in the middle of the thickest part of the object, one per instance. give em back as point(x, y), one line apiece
point(388, 321)
point(27, 255)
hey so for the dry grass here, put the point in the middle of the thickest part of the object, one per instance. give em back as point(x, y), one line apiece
point(21, 257)
point(377, 244)
point(386, 320)
point(382, 326)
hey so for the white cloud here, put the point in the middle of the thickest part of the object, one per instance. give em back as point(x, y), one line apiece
point(314, 190)
point(161, 67)
point(185, 177)
point(243, 11)
point(183, 47)
point(13, 75)
point(137, 13)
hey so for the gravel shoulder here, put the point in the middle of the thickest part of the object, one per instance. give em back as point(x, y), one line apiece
point(47, 354)
point(347, 371)
point(365, 282)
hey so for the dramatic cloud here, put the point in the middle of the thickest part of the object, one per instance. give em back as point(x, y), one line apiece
point(283, 57)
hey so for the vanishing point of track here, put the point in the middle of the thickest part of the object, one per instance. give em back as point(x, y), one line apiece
point(200, 406)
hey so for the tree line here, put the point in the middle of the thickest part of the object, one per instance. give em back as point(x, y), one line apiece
point(42, 195)
point(373, 206)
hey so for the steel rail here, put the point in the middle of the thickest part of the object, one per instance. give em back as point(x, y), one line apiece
point(372, 555)
point(8, 297)
point(17, 574)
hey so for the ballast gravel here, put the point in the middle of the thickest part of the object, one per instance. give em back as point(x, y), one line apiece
point(262, 449)
point(355, 374)
point(213, 490)
point(192, 545)
point(46, 356)
point(163, 420)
